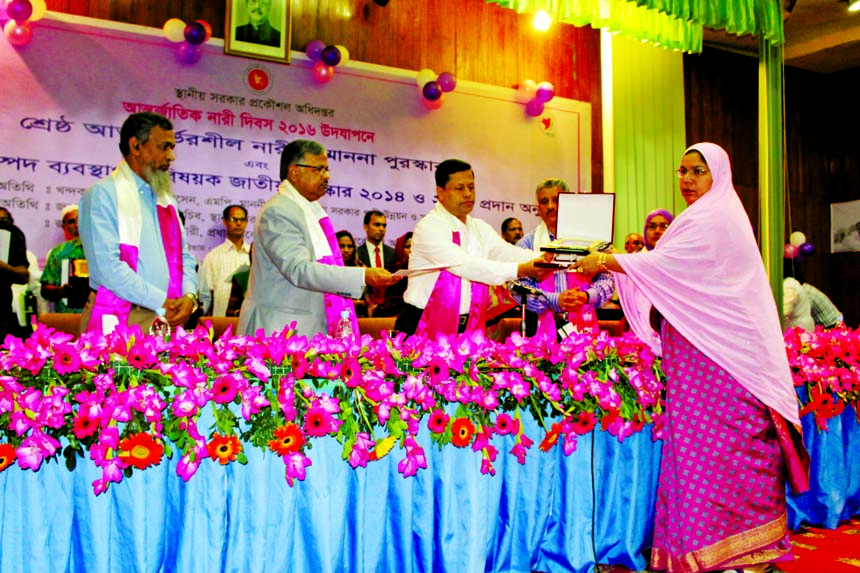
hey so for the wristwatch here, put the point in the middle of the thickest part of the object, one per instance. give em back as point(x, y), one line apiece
point(193, 298)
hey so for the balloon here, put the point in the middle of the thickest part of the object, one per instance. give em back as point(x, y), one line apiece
point(789, 251)
point(534, 108)
point(322, 73)
point(447, 81)
point(174, 30)
point(798, 258)
point(189, 53)
point(806, 249)
point(195, 33)
point(206, 27)
point(434, 103)
point(526, 91)
point(797, 238)
point(344, 54)
point(544, 92)
point(39, 10)
point(432, 91)
point(18, 34)
point(424, 76)
point(314, 50)
point(330, 56)
point(19, 10)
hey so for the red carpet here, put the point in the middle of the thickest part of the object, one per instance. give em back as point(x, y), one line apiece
point(826, 550)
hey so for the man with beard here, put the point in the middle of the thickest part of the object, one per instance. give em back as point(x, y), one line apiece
point(259, 30)
point(297, 272)
point(133, 239)
point(14, 270)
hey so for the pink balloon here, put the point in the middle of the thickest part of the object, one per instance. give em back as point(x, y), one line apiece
point(544, 92)
point(18, 34)
point(434, 103)
point(322, 73)
point(189, 53)
point(315, 49)
point(19, 10)
point(534, 108)
point(789, 251)
point(447, 81)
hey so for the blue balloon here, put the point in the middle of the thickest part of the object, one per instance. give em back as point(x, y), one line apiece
point(195, 33)
point(806, 249)
point(432, 90)
point(330, 56)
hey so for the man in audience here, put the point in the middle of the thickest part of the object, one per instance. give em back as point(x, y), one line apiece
point(512, 230)
point(297, 273)
point(634, 242)
point(14, 270)
point(471, 254)
point(65, 278)
point(822, 309)
point(375, 253)
point(223, 261)
point(562, 292)
point(134, 242)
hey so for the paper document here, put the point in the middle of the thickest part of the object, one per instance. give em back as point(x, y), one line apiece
point(5, 238)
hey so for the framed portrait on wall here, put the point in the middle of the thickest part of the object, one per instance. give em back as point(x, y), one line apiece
point(258, 29)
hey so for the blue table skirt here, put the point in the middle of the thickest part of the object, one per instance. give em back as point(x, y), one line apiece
point(449, 518)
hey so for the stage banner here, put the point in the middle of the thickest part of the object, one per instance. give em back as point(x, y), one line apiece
point(68, 91)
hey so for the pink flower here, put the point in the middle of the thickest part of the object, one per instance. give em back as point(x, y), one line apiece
point(318, 422)
point(66, 359)
point(360, 454)
point(111, 472)
point(295, 466)
point(438, 421)
point(186, 467)
point(225, 388)
point(506, 425)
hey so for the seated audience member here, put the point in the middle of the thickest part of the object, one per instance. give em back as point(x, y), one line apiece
point(347, 249)
point(633, 243)
point(512, 230)
point(656, 223)
point(824, 312)
point(65, 278)
point(392, 303)
point(796, 310)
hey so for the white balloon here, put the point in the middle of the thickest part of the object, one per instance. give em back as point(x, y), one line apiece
point(424, 76)
point(174, 30)
point(797, 238)
point(344, 54)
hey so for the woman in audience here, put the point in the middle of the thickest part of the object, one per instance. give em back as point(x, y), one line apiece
point(730, 401)
point(656, 224)
point(392, 303)
point(347, 249)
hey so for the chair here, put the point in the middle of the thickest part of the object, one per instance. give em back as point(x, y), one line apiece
point(69, 323)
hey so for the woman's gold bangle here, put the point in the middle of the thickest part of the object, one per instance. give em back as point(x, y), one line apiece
point(601, 263)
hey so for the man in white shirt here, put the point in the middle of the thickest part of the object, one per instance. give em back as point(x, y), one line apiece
point(375, 253)
point(470, 253)
point(223, 261)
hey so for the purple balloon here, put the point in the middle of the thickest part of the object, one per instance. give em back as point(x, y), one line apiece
point(432, 91)
point(330, 56)
point(189, 53)
point(447, 81)
point(534, 108)
point(798, 258)
point(195, 33)
point(544, 92)
point(806, 249)
point(315, 49)
point(19, 10)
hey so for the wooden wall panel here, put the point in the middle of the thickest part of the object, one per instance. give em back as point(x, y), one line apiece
point(474, 40)
point(822, 160)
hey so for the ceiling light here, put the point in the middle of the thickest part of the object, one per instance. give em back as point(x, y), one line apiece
point(542, 21)
point(854, 6)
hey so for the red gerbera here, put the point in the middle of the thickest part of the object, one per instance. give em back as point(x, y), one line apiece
point(224, 449)
point(141, 451)
point(551, 438)
point(584, 423)
point(288, 440)
point(85, 425)
point(316, 422)
point(438, 421)
point(224, 390)
point(7, 456)
point(462, 431)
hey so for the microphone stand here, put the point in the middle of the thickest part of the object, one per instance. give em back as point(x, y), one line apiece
point(524, 291)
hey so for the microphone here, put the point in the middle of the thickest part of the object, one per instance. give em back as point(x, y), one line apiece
point(521, 289)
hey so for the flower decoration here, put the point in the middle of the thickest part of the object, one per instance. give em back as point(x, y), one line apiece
point(127, 400)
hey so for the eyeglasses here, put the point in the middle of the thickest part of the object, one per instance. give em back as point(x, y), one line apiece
point(317, 168)
point(236, 219)
point(655, 226)
point(696, 172)
point(70, 222)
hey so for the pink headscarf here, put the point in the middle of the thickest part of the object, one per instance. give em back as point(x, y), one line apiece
point(707, 279)
point(663, 213)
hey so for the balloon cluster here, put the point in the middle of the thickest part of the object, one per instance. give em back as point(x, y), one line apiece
point(325, 59)
point(434, 88)
point(21, 13)
point(535, 96)
point(797, 247)
point(189, 37)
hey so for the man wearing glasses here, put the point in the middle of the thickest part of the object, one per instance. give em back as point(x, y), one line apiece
point(297, 273)
point(222, 262)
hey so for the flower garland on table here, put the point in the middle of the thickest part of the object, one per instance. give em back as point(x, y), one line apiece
point(827, 364)
point(128, 400)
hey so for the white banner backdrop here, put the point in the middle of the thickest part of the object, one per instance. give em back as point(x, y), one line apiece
point(67, 93)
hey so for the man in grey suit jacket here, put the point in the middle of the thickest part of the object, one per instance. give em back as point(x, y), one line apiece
point(374, 228)
point(287, 282)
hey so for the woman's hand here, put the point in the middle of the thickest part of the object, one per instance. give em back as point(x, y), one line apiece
point(571, 300)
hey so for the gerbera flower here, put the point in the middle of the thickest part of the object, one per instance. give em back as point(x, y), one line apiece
point(140, 451)
point(142, 355)
point(224, 449)
point(7, 456)
point(584, 423)
point(288, 440)
point(317, 422)
point(505, 424)
point(438, 421)
point(85, 425)
point(66, 359)
point(224, 389)
point(462, 431)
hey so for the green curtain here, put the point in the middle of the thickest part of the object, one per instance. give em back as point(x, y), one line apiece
point(644, 130)
point(757, 17)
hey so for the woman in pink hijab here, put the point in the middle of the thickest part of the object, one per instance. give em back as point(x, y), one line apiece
point(731, 426)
